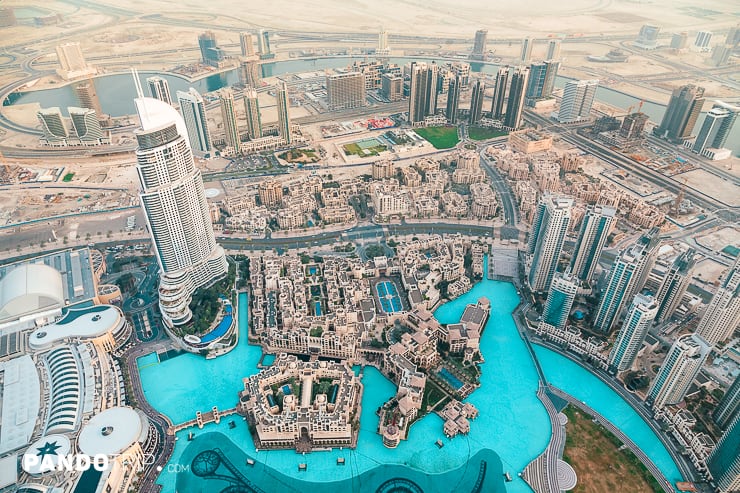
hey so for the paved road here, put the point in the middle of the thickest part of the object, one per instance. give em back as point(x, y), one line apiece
point(508, 200)
point(687, 470)
point(619, 160)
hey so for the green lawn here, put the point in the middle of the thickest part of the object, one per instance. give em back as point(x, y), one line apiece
point(439, 137)
point(68, 177)
point(354, 149)
point(485, 133)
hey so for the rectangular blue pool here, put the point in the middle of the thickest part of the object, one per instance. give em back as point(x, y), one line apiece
point(450, 378)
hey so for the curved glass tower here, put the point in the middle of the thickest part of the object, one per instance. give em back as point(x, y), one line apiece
point(176, 210)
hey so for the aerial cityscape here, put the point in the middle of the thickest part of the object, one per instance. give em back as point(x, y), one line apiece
point(381, 247)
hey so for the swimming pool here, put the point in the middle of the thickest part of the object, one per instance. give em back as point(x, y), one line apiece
point(390, 300)
point(450, 378)
point(506, 398)
point(222, 326)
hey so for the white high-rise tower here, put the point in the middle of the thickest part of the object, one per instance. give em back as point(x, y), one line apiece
point(549, 228)
point(283, 107)
point(159, 88)
point(383, 49)
point(683, 362)
point(193, 110)
point(578, 97)
point(176, 210)
point(723, 313)
point(595, 228)
point(632, 334)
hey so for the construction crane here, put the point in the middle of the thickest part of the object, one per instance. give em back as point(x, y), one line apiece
point(679, 198)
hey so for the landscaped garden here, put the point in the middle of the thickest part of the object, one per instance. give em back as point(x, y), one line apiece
point(364, 148)
point(304, 156)
point(439, 137)
point(599, 460)
point(485, 133)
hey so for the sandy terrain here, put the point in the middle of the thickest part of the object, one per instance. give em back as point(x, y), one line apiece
point(709, 270)
point(711, 185)
point(450, 18)
point(719, 239)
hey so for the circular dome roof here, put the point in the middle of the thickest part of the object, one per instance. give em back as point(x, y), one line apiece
point(30, 288)
point(43, 454)
point(110, 432)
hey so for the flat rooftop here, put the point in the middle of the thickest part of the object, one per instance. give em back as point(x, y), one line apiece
point(473, 314)
point(75, 267)
point(21, 402)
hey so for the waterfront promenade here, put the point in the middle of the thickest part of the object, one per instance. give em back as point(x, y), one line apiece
point(541, 473)
point(664, 483)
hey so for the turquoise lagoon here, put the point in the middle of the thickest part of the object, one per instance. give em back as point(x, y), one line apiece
point(512, 426)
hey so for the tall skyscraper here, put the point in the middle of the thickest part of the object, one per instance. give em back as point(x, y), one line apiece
point(703, 39)
point(346, 91)
point(680, 116)
point(88, 96)
point(461, 70)
point(499, 93)
point(633, 125)
point(72, 63)
point(724, 461)
point(733, 36)
point(252, 111)
point(515, 103)
point(632, 334)
point(159, 88)
point(729, 407)
point(176, 210)
point(476, 102)
point(210, 53)
point(717, 126)
point(228, 117)
point(263, 44)
point(422, 92)
point(193, 111)
point(283, 107)
point(549, 228)
point(721, 55)
point(53, 126)
point(627, 277)
point(578, 97)
point(553, 50)
point(679, 41)
point(681, 365)
point(391, 87)
point(560, 299)
point(479, 45)
point(541, 81)
point(249, 72)
point(674, 284)
point(526, 53)
point(246, 44)
point(86, 125)
point(383, 49)
point(595, 229)
point(453, 100)
point(647, 39)
point(722, 316)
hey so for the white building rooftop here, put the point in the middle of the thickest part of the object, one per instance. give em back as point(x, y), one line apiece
point(21, 402)
point(8, 471)
point(111, 432)
point(84, 323)
point(52, 446)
